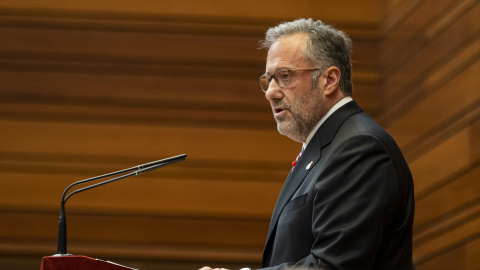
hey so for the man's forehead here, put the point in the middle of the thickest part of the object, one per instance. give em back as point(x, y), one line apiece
point(287, 49)
point(290, 42)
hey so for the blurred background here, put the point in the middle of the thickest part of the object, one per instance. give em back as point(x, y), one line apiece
point(90, 87)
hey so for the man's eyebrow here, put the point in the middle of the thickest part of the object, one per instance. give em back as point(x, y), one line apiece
point(267, 73)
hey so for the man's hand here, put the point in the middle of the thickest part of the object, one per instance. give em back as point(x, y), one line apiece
point(209, 268)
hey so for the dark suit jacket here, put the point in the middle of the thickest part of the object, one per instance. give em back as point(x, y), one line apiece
point(352, 208)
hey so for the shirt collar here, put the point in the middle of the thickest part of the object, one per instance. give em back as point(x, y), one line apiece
point(335, 107)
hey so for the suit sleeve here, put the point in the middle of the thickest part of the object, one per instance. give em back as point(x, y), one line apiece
point(356, 195)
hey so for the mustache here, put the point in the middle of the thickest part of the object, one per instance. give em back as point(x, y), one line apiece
point(281, 104)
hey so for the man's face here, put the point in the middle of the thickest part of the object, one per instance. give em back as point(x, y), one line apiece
point(297, 108)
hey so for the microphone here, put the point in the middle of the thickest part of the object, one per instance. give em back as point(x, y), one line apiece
point(139, 169)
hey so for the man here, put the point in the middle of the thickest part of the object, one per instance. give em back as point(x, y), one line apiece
point(348, 202)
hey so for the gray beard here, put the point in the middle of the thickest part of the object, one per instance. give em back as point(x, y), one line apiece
point(301, 125)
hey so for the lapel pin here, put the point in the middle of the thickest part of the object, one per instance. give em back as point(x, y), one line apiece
point(309, 165)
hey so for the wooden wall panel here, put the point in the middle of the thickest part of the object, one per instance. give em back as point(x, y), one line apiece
point(90, 87)
point(448, 198)
point(428, 53)
point(342, 11)
point(140, 140)
point(437, 108)
point(464, 257)
point(147, 47)
point(431, 105)
point(149, 195)
point(454, 154)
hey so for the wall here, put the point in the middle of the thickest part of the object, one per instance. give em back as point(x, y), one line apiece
point(431, 98)
point(90, 87)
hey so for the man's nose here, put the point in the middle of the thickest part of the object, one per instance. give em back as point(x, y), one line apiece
point(274, 92)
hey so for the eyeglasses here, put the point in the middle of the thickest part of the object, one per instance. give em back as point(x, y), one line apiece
point(283, 77)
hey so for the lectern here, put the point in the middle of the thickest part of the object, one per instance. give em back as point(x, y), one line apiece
point(76, 262)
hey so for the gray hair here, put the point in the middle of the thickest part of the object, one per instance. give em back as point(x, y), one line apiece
point(325, 47)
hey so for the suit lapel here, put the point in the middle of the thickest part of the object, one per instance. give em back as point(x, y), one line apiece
point(312, 153)
point(293, 181)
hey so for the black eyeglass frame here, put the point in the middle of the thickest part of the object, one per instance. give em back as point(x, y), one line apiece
point(273, 76)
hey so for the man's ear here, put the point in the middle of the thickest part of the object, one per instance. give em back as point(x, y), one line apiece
point(332, 75)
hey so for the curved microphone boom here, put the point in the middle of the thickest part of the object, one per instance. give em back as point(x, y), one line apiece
point(62, 225)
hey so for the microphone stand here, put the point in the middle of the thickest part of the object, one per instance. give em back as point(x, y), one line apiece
point(62, 225)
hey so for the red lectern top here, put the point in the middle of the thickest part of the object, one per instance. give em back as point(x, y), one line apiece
point(78, 262)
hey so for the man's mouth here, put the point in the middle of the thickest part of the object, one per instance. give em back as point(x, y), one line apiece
point(278, 111)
